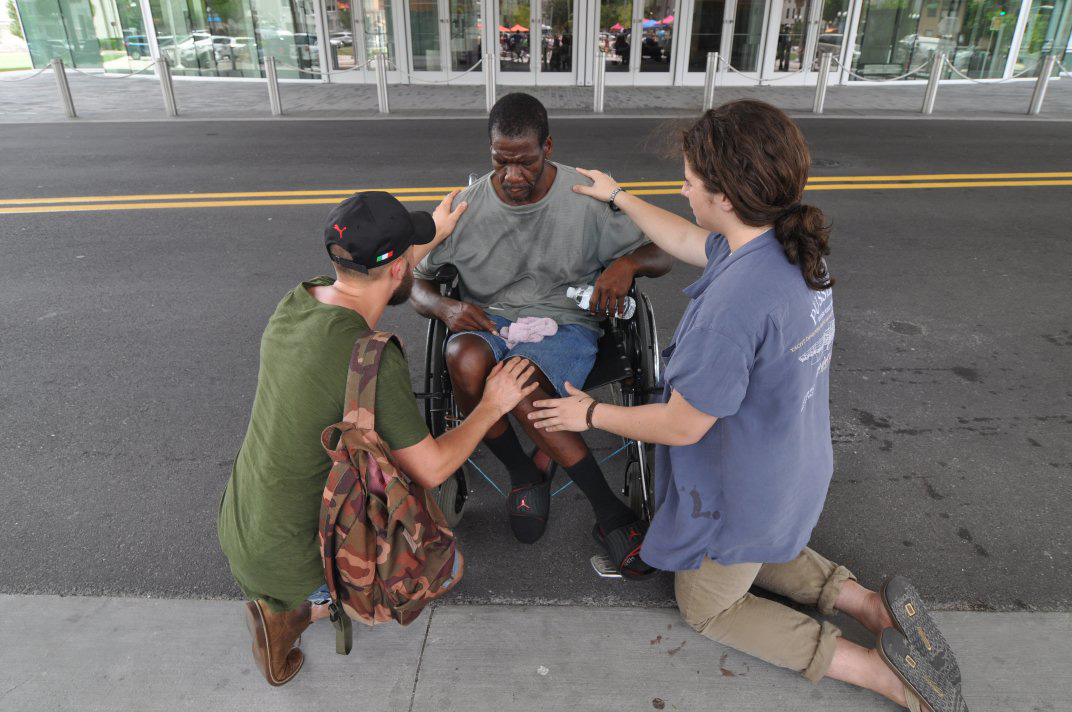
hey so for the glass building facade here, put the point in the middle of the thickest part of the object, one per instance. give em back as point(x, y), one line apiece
point(543, 42)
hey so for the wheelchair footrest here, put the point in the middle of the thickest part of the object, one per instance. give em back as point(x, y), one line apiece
point(604, 567)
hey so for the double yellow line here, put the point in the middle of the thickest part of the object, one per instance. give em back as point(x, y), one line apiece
point(173, 201)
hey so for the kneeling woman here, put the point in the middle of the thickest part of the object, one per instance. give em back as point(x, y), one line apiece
point(745, 458)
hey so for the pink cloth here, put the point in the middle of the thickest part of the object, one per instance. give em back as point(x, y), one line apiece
point(528, 328)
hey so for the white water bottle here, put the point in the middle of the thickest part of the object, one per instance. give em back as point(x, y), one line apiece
point(582, 295)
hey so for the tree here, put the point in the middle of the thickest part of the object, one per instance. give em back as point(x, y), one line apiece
point(13, 13)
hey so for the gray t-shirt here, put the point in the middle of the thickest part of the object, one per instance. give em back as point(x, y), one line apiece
point(518, 260)
point(753, 349)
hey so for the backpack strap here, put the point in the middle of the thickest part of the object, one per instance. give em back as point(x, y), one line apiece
point(359, 407)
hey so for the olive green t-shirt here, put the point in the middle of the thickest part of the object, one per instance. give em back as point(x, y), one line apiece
point(268, 519)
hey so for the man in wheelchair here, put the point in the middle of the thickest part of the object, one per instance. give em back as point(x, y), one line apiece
point(524, 239)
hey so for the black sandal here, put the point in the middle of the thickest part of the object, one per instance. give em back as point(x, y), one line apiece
point(623, 549)
point(922, 683)
point(910, 617)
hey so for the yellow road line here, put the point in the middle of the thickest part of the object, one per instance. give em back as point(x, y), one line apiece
point(433, 194)
point(439, 191)
point(938, 176)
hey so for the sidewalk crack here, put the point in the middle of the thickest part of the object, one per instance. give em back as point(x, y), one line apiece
point(420, 659)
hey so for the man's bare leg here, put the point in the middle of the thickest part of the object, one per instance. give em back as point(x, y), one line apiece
point(469, 360)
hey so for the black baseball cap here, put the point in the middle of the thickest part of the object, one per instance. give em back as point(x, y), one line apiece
point(376, 229)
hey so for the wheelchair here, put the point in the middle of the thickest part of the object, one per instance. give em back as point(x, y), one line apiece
point(627, 361)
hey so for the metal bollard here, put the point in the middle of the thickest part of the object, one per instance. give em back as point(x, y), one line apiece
point(273, 86)
point(599, 82)
point(821, 80)
point(381, 84)
point(1040, 86)
point(489, 81)
point(937, 67)
point(65, 89)
point(709, 81)
point(163, 71)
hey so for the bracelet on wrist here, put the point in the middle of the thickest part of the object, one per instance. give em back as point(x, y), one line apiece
point(588, 415)
point(610, 200)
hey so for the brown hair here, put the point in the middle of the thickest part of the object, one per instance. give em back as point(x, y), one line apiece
point(756, 156)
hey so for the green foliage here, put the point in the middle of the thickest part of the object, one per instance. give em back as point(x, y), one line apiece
point(609, 15)
point(16, 28)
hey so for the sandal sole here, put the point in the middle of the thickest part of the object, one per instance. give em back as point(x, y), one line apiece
point(912, 669)
point(910, 616)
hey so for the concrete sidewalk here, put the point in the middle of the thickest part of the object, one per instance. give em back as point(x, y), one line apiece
point(146, 654)
point(138, 97)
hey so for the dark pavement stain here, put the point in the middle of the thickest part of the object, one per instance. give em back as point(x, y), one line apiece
point(905, 327)
point(908, 542)
point(943, 515)
point(931, 492)
point(886, 446)
point(968, 374)
point(722, 666)
point(964, 534)
point(911, 431)
point(981, 551)
point(870, 421)
point(658, 704)
point(658, 639)
point(675, 650)
point(1062, 338)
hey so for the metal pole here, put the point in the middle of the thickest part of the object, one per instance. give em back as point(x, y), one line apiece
point(273, 86)
point(1040, 86)
point(821, 80)
point(599, 82)
point(709, 81)
point(489, 80)
point(937, 66)
point(65, 89)
point(163, 71)
point(381, 83)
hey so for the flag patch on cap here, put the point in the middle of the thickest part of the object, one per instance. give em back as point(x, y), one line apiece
point(385, 256)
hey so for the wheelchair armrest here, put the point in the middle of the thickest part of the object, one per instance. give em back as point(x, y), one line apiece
point(446, 275)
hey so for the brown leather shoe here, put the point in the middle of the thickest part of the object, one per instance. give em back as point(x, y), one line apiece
point(275, 637)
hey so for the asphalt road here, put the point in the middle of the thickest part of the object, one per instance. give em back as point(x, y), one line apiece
point(129, 342)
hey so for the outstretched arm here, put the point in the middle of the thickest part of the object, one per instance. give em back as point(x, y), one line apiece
point(683, 239)
point(675, 422)
point(458, 316)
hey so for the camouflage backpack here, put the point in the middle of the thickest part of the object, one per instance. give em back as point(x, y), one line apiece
point(386, 547)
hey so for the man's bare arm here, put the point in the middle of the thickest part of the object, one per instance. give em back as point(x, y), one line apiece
point(458, 316)
point(608, 297)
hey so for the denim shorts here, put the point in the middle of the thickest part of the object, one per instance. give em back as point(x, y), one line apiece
point(566, 356)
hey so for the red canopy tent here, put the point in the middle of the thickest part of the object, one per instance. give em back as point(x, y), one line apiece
point(616, 27)
point(668, 20)
point(503, 29)
point(519, 28)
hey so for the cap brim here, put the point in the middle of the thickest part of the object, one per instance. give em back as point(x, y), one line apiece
point(424, 228)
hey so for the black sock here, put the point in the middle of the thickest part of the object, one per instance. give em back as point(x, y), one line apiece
point(610, 511)
point(520, 466)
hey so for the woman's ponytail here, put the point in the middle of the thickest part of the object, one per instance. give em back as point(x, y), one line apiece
point(755, 155)
point(805, 238)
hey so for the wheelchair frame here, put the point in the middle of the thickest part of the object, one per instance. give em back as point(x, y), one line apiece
point(627, 360)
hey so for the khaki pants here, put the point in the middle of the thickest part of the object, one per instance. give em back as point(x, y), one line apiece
point(714, 600)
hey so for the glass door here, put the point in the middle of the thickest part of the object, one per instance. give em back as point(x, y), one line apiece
point(637, 40)
point(535, 39)
point(733, 29)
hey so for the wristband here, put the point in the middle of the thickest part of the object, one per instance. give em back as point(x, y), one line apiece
point(588, 415)
point(610, 200)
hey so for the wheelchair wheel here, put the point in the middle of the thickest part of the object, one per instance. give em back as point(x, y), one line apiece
point(644, 348)
point(439, 412)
